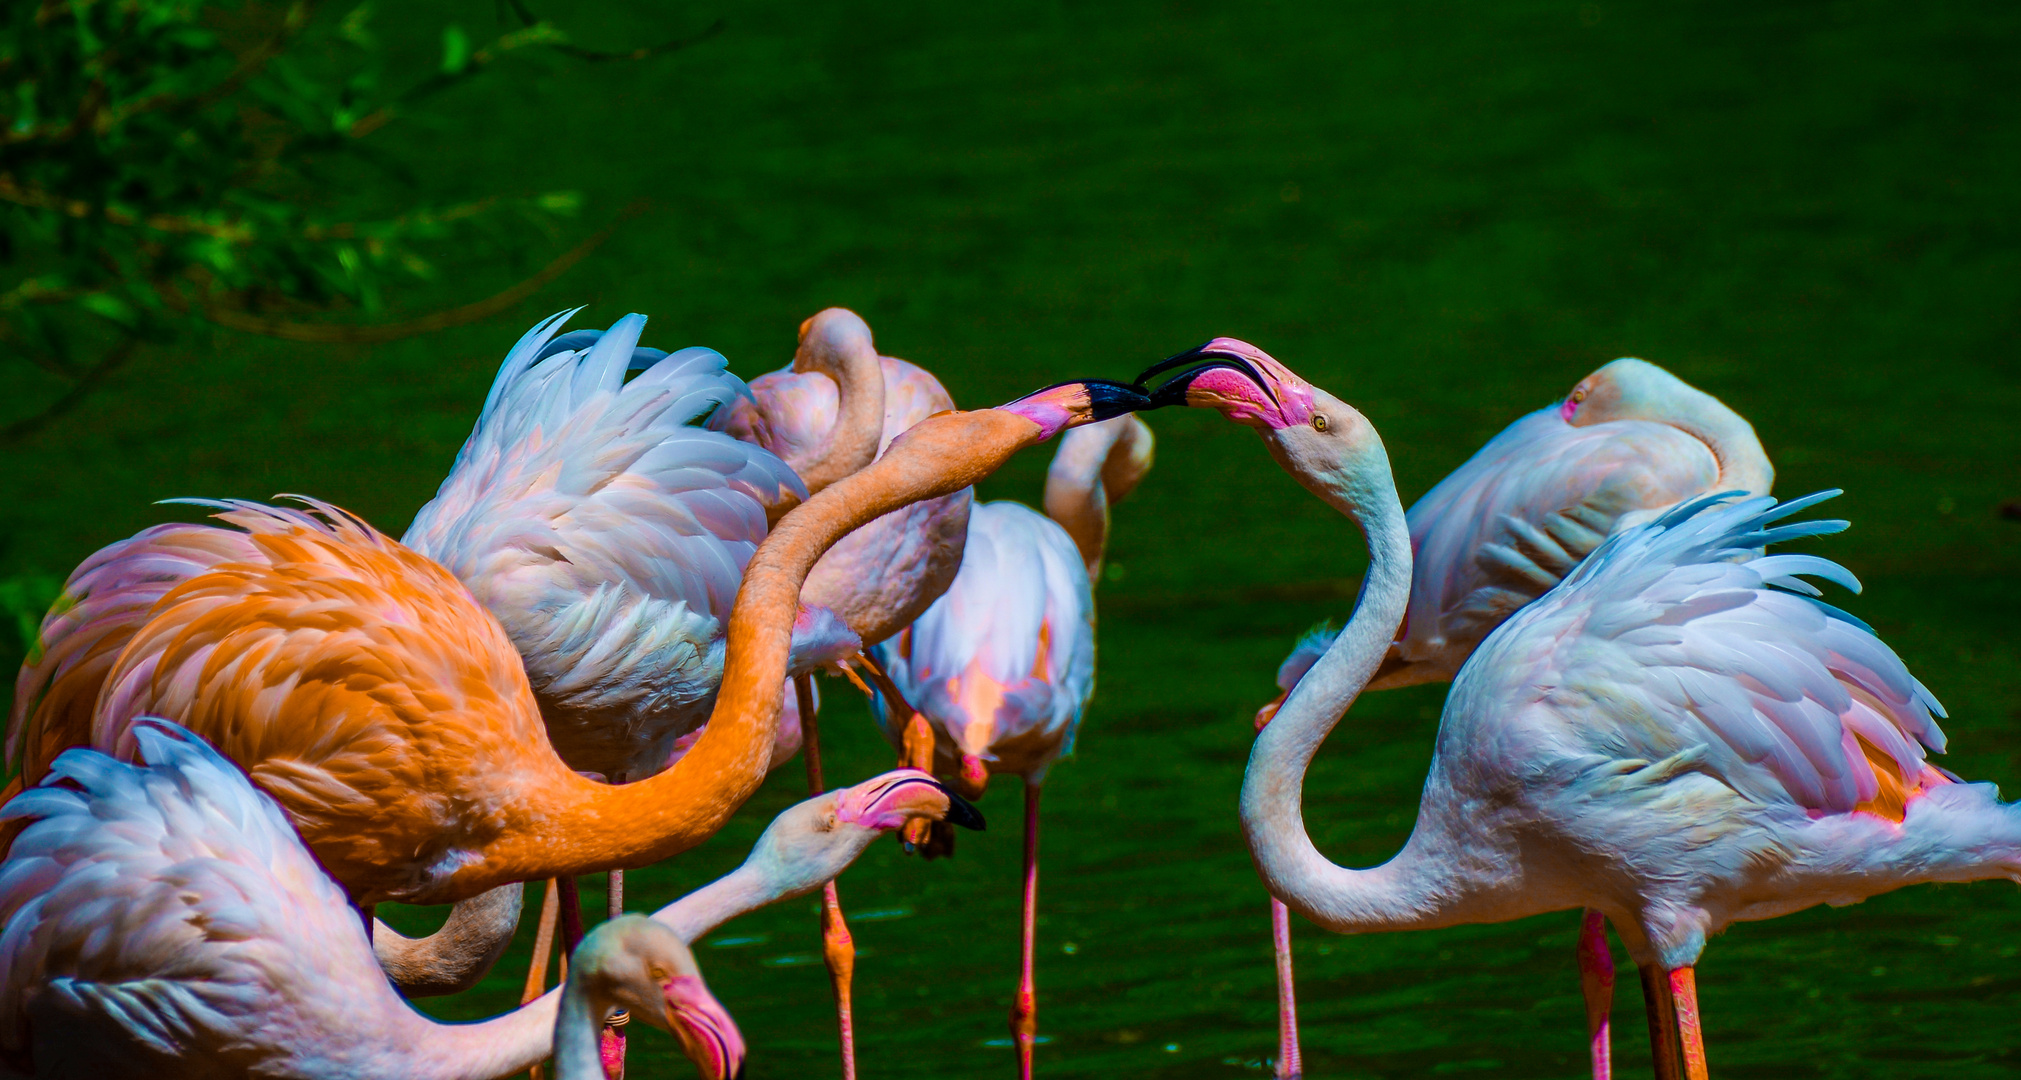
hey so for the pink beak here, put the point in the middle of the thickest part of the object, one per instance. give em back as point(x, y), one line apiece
point(706, 1032)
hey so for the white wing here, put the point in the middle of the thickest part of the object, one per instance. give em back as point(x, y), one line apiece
point(1508, 524)
point(167, 912)
point(607, 524)
point(1004, 662)
point(1683, 634)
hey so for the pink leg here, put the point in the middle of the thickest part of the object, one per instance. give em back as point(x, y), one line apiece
point(1596, 980)
point(1024, 1021)
point(837, 947)
point(1289, 1064)
point(1665, 1060)
point(1690, 1036)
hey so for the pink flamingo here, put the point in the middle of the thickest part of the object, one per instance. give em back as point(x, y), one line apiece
point(1678, 736)
point(832, 411)
point(162, 919)
point(1004, 663)
point(1628, 442)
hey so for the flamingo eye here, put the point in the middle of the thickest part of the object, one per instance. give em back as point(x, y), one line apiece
point(1319, 421)
point(1578, 395)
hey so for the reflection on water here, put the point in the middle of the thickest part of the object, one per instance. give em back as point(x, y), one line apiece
point(1154, 957)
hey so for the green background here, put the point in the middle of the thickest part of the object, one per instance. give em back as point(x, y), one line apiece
point(1446, 214)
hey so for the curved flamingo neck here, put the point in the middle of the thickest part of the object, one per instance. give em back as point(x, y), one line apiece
point(578, 826)
point(1096, 466)
point(1405, 891)
point(858, 431)
point(738, 892)
point(1743, 464)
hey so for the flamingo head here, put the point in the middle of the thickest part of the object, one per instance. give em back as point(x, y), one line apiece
point(1323, 441)
point(813, 842)
point(830, 339)
point(638, 965)
point(1631, 389)
point(1628, 389)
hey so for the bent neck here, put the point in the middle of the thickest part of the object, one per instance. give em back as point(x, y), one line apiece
point(738, 892)
point(858, 431)
point(578, 826)
point(1402, 893)
point(1096, 466)
point(1743, 464)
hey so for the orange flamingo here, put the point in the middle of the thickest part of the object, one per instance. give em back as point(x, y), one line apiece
point(834, 409)
point(363, 688)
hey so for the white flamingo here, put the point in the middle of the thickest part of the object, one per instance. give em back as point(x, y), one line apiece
point(1003, 665)
point(1628, 442)
point(1679, 735)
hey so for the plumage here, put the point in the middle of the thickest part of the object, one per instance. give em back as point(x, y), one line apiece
point(1628, 442)
point(607, 524)
point(161, 919)
point(1003, 664)
point(1671, 736)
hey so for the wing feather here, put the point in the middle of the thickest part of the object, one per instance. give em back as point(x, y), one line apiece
point(1680, 632)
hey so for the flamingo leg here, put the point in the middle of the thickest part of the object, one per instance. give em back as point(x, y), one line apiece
point(1690, 1033)
point(1666, 1062)
point(837, 947)
point(1596, 980)
point(543, 944)
point(1290, 1066)
point(1024, 1023)
point(612, 1042)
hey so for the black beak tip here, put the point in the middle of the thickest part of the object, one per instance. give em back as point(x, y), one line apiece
point(1109, 399)
point(963, 813)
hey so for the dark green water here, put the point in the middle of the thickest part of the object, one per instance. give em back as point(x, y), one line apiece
point(1444, 213)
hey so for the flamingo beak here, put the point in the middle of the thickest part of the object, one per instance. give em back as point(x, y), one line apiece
point(706, 1033)
point(1072, 404)
point(1245, 383)
point(897, 797)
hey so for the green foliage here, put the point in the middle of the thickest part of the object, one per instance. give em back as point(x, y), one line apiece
point(167, 160)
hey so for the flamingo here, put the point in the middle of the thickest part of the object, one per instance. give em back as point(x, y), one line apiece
point(1679, 735)
point(1629, 441)
point(364, 689)
point(162, 919)
point(832, 410)
point(1003, 665)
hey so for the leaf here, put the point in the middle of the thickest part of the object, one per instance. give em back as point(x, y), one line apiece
point(455, 50)
point(110, 307)
point(353, 28)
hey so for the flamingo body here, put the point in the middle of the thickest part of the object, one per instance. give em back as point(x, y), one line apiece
point(607, 524)
point(1004, 664)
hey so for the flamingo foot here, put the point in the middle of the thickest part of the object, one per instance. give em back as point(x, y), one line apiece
point(1596, 981)
point(840, 951)
point(1290, 1063)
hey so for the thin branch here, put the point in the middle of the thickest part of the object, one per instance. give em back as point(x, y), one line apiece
point(114, 359)
point(288, 330)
